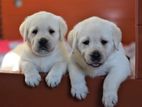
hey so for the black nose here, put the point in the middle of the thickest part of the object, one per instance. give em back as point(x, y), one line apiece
point(43, 42)
point(96, 56)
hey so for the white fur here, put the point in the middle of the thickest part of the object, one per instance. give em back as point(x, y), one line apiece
point(30, 59)
point(130, 52)
point(115, 64)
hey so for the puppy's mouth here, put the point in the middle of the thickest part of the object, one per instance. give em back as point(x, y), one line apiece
point(43, 51)
point(95, 65)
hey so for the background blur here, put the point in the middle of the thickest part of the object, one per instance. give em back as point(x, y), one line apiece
point(122, 12)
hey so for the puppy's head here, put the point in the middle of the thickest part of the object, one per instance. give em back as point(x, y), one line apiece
point(95, 39)
point(42, 31)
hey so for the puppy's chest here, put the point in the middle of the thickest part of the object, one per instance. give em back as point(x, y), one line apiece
point(101, 71)
point(46, 63)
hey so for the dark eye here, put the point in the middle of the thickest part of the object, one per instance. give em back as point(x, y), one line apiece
point(35, 31)
point(86, 42)
point(51, 31)
point(104, 42)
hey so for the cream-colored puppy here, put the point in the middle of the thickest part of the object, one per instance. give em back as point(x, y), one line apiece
point(130, 53)
point(97, 51)
point(42, 51)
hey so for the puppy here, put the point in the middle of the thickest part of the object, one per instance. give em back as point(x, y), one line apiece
point(97, 51)
point(42, 51)
point(130, 53)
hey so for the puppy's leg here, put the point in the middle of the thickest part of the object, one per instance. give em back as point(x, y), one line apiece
point(32, 77)
point(78, 83)
point(111, 85)
point(55, 74)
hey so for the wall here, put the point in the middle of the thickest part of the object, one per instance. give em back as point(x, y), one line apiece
point(0, 21)
point(121, 12)
point(139, 39)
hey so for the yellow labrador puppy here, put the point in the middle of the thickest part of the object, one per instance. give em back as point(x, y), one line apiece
point(42, 51)
point(97, 51)
point(130, 53)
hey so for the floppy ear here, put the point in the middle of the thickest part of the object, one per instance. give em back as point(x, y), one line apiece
point(117, 36)
point(62, 27)
point(72, 38)
point(24, 29)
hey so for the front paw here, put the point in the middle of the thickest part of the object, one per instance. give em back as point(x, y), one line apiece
point(79, 91)
point(32, 79)
point(53, 79)
point(109, 99)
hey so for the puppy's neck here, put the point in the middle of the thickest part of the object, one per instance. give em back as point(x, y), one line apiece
point(63, 50)
point(78, 59)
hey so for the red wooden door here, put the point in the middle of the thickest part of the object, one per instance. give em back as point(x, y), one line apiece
point(123, 12)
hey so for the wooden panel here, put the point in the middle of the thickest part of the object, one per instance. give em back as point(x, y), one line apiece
point(140, 11)
point(0, 22)
point(139, 41)
point(139, 53)
point(14, 93)
point(121, 12)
